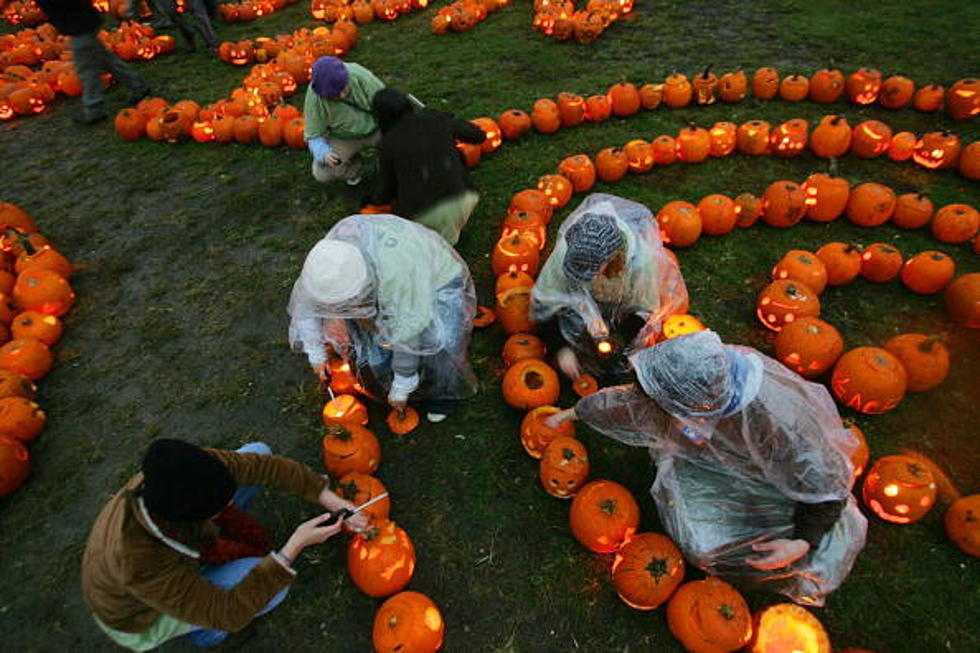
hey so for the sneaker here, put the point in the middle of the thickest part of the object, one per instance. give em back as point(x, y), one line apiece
point(435, 418)
point(89, 119)
point(354, 182)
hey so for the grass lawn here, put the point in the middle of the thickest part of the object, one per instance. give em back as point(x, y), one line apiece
point(186, 255)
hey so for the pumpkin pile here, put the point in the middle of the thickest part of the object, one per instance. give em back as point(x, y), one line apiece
point(133, 41)
point(560, 19)
point(364, 11)
point(34, 295)
point(29, 47)
point(23, 12)
point(244, 12)
point(463, 15)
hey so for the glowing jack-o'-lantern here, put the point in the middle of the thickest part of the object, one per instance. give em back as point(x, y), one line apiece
point(564, 466)
point(864, 86)
point(492, 131)
point(408, 622)
point(804, 266)
point(513, 308)
point(580, 170)
point(825, 196)
point(870, 139)
point(350, 448)
point(722, 135)
point(784, 301)
point(937, 150)
point(681, 324)
point(342, 379)
point(790, 138)
point(381, 560)
point(752, 137)
point(557, 188)
point(524, 222)
point(900, 489)
point(788, 627)
point(808, 346)
point(647, 570)
point(516, 252)
point(536, 435)
point(963, 99)
point(870, 380)
point(360, 488)
point(603, 516)
point(345, 409)
point(202, 131)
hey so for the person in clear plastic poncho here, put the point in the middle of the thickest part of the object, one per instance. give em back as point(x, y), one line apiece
point(393, 300)
point(608, 280)
point(753, 470)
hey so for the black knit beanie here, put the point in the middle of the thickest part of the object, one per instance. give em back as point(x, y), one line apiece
point(591, 242)
point(182, 482)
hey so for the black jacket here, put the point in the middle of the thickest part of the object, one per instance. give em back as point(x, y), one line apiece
point(72, 17)
point(419, 162)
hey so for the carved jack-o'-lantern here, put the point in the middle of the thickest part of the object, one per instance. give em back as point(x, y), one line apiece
point(536, 435)
point(870, 380)
point(381, 560)
point(681, 324)
point(345, 409)
point(937, 150)
point(790, 138)
point(808, 346)
point(408, 622)
point(788, 627)
point(900, 489)
point(564, 467)
point(350, 448)
point(783, 301)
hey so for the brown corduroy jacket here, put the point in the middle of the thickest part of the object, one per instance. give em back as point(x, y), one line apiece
point(130, 576)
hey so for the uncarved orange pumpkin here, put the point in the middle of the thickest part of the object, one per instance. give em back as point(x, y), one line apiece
point(603, 515)
point(925, 359)
point(709, 616)
point(962, 300)
point(962, 522)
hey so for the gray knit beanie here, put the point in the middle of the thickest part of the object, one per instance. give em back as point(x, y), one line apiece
point(591, 242)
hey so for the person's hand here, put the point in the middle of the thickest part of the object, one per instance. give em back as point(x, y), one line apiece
point(332, 501)
point(568, 363)
point(559, 418)
point(332, 160)
point(309, 533)
point(322, 372)
point(782, 552)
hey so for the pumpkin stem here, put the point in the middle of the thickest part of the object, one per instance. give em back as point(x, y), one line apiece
point(726, 611)
point(707, 68)
point(22, 240)
point(567, 454)
point(657, 568)
point(608, 506)
point(927, 345)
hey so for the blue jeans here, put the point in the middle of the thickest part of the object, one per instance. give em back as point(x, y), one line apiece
point(231, 573)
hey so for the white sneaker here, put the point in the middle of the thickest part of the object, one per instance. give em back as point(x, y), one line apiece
point(435, 418)
point(354, 182)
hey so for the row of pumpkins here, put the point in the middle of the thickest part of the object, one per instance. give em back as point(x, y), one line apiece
point(34, 294)
point(243, 12)
point(364, 11)
point(560, 19)
point(23, 12)
point(463, 15)
point(25, 91)
point(254, 112)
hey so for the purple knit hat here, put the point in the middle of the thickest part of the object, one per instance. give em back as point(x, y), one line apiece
point(329, 77)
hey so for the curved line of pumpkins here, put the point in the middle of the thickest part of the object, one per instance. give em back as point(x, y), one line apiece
point(34, 294)
point(530, 383)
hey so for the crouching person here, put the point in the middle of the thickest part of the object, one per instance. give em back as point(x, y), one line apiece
point(174, 552)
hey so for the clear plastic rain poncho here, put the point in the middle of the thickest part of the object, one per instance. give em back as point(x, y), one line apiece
point(414, 299)
point(738, 441)
point(649, 286)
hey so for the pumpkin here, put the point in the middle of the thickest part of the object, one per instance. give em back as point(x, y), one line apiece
point(530, 383)
point(402, 421)
point(902, 146)
point(571, 108)
point(826, 85)
point(870, 139)
point(270, 132)
point(783, 204)
point(513, 123)
point(639, 155)
point(937, 150)
point(765, 83)
point(928, 272)
point(471, 153)
point(929, 98)
point(963, 99)
point(47, 258)
point(484, 317)
point(491, 129)
point(12, 215)
point(536, 435)
point(15, 465)
point(880, 262)
point(360, 488)
point(962, 523)
point(44, 291)
point(717, 213)
point(955, 223)
point(408, 622)
point(598, 108)
point(557, 188)
point(693, 144)
point(825, 196)
point(680, 324)
point(522, 345)
point(344, 409)
point(545, 116)
point(788, 627)
point(962, 300)
point(925, 359)
point(579, 170)
point(896, 92)
point(514, 310)
point(752, 137)
point(381, 560)
point(647, 570)
point(664, 149)
point(900, 489)
point(564, 466)
point(808, 346)
point(680, 223)
point(677, 91)
point(585, 385)
point(513, 279)
point(705, 86)
point(8, 310)
point(20, 418)
point(912, 211)
point(784, 301)
point(625, 99)
point(831, 138)
point(13, 384)
point(516, 252)
point(748, 208)
point(723, 138)
point(733, 87)
point(130, 124)
point(794, 88)
point(350, 448)
point(612, 164)
point(863, 86)
point(869, 379)
point(527, 223)
point(842, 262)
point(31, 324)
point(603, 515)
point(533, 201)
point(870, 204)
point(969, 164)
point(801, 265)
point(651, 95)
point(27, 357)
point(709, 616)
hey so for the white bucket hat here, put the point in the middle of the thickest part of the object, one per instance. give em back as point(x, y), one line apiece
point(334, 271)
